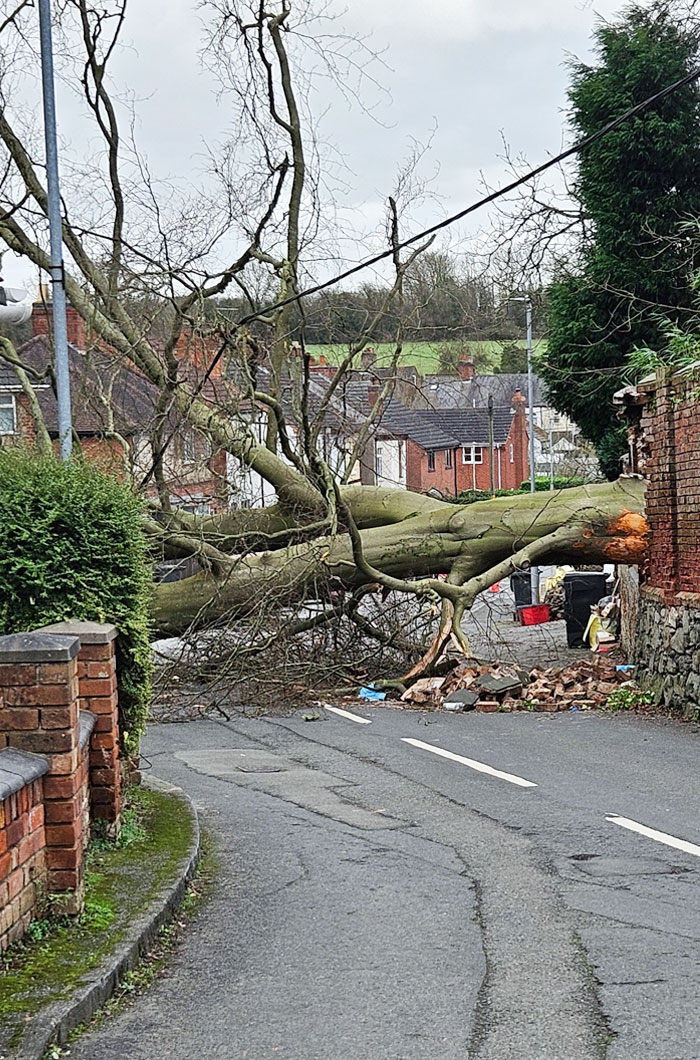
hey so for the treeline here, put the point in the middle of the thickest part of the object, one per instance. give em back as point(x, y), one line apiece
point(442, 301)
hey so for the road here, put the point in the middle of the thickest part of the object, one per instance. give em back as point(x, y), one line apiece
point(405, 886)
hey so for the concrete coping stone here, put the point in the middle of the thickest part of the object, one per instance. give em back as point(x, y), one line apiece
point(37, 647)
point(86, 723)
point(88, 632)
point(18, 769)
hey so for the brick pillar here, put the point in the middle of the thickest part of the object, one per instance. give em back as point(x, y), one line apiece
point(39, 713)
point(97, 689)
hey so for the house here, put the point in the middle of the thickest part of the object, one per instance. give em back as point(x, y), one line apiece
point(449, 450)
point(114, 408)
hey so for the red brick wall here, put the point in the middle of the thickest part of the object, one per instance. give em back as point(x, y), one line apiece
point(22, 861)
point(671, 430)
point(47, 677)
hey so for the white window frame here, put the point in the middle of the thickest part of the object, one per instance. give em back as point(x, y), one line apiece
point(469, 454)
point(378, 461)
point(448, 459)
point(512, 455)
point(189, 447)
point(7, 401)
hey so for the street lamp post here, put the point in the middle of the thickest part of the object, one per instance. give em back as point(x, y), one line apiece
point(58, 289)
point(534, 571)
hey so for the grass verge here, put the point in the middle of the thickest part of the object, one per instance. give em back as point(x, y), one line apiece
point(122, 878)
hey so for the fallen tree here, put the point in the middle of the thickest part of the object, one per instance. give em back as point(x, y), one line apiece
point(147, 272)
point(474, 545)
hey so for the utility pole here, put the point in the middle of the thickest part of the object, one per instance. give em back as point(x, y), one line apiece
point(57, 271)
point(534, 571)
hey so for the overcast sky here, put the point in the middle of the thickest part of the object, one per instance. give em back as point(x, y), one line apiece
point(467, 72)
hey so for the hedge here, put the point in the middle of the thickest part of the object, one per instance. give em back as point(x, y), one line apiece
point(72, 546)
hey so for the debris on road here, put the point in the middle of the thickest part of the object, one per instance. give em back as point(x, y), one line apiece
point(490, 687)
point(371, 693)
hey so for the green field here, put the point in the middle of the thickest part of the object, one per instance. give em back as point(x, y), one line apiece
point(486, 354)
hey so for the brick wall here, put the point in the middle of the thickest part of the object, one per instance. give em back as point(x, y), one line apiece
point(22, 843)
point(58, 762)
point(666, 443)
point(669, 437)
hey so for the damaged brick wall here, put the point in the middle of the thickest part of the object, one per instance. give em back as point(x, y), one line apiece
point(666, 442)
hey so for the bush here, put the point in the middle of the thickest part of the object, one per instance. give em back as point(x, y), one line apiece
point(561, 482)
point(71, 546)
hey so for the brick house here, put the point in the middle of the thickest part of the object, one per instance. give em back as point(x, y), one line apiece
point(449, 450)
point(662, 597)
point(114, 407)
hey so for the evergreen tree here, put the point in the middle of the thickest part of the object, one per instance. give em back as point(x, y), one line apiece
point(637, 186)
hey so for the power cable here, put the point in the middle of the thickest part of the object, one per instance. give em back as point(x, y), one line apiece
point(581, 145)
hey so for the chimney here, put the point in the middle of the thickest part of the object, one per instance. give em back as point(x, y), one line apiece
point(322, 361)
point(373, 393)
point(466, 369)
point(519, 401)
point(368, 357)
point(200, 351)
point(42, 319)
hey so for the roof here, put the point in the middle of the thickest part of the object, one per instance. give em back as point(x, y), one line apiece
point(449, 391)
point(99, 382)
point(446, 428)
point(8, 379)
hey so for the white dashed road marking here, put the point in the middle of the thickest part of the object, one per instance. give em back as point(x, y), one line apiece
point(479, 766)
point(348, 715)
point(652, 833)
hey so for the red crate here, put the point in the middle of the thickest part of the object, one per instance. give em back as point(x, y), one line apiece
point(534, 615)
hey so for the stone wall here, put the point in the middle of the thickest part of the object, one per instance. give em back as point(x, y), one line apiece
point(58, 761)
point(667, 649)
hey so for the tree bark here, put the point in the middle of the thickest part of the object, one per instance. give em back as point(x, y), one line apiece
point(602, 522)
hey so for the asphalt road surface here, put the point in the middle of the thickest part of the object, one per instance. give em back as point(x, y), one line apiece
point(401, 886)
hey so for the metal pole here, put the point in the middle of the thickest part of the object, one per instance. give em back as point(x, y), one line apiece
point(551, 461)
point(491, 475)
point(530, 396)
point(60, 331)
point(534, 571)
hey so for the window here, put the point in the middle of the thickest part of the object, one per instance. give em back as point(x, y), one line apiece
point(512, 459)
point(431, 461)
point(8, 416)
point(448, 458)
point(189, 448)
point(378, 462)
point(472, 454)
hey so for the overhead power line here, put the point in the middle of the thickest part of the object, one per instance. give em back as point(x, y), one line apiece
point(367, 263)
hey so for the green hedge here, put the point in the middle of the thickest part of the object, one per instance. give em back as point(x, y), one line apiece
point(71, 546)
point(542, 484)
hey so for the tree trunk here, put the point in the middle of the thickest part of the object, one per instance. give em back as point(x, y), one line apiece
point(605, 521)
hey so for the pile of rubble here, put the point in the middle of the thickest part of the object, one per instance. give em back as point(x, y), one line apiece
point(491, 687)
